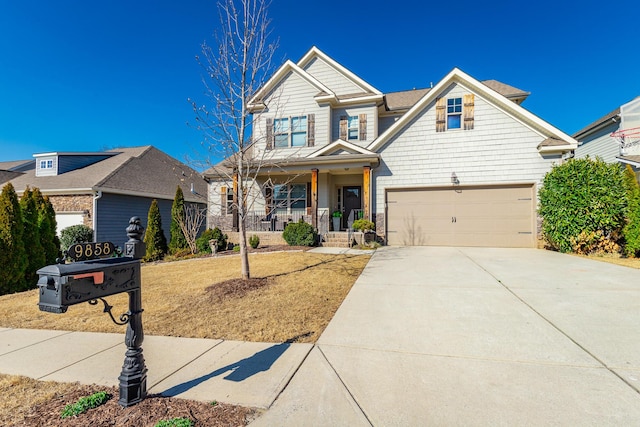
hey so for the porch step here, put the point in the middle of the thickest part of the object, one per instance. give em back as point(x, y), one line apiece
point(336, 240)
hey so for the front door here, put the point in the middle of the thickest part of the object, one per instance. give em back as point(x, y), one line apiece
point(352, 196)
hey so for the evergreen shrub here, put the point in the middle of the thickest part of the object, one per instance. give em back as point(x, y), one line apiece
point(300, 234)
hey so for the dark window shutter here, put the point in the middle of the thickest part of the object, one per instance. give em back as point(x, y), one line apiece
point(343, 128)
point(268, 198)
point(269, 133)
point(468, 111)
point(362, 122)
point(311, 130)
point(441, 115)
point(308, 194)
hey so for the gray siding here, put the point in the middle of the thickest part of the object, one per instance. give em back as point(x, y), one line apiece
point(294, 96)
point(114, 212)
point(331, 78)
point(372, 116)
point(600, 145)
point(70, 163)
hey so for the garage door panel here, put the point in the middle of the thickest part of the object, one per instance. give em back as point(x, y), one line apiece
point(462, 216)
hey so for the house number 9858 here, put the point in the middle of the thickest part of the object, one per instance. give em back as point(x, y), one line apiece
point(85, 251)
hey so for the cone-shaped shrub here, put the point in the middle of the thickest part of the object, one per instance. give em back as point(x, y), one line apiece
point(47, 225)
point(13, 259)
point(178, 241)
point(31, 238)
point(154, 238)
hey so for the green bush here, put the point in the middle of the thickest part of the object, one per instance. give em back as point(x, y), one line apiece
point(203, 241)
point(75, 234)
point(300, 234)
point(363, 225)
point(47, 226)
point(154, 238)
point(581, 197)
point(631, 230)
point(84, 404)
point(175, 422)
point(254, 241)
point(31, 238)
point(13, 257)
point(178, 240)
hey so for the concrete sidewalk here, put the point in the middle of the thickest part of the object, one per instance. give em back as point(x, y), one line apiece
point(474, 336)
point(241, 373)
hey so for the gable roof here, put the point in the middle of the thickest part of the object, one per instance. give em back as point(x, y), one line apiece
point(339, 145)
point(256, 102)
point(486, 92)
point(325, 94)
point(138, 171)
point(314, 52)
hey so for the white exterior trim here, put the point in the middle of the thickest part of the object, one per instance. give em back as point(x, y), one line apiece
point(314, 51)
point(337, 145)
point(508, 107)
point(279, 75)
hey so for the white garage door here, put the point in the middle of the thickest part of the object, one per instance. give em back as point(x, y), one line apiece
point(65, 220)
point(491, 216)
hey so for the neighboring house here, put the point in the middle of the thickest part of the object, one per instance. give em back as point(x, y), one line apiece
point(458, 163)
point(104, 189)
point(596, 139)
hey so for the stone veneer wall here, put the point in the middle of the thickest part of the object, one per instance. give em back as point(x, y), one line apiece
point(223, 222)
point(76, 204)
point(378, 220)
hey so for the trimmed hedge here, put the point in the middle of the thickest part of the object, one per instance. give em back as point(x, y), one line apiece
point(300, 234)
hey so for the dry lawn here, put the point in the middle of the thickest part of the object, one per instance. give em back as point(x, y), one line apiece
point(614, 259)
point(298, 296)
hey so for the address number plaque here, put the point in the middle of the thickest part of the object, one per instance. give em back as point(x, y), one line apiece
point(87, 251)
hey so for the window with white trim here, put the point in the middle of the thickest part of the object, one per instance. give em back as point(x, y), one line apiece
point(454, 113)
point(290, 131)
point(353, 127)
point(46, 164)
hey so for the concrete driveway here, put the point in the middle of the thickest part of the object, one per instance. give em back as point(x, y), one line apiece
point(475, 336)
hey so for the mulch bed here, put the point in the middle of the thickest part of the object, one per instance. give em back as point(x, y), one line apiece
point(146, 413)
point(234, 288)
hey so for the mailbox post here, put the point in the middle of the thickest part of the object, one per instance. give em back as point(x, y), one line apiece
point(92, 278)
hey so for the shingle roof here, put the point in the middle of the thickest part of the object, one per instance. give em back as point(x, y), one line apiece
point(138, 170)
point(595, 124)
point(10, 165)
point(406, 99)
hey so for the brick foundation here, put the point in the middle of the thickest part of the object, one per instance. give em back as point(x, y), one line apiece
point(267, 238)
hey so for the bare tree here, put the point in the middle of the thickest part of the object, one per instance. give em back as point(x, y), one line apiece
point(236, 66)
point(190, 223)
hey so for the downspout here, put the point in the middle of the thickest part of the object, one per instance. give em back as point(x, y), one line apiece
point(97, 196)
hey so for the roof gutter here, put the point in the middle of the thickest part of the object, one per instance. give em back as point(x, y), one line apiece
point(96, 197)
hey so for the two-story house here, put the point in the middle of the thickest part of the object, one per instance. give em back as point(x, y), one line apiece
point(458, 163)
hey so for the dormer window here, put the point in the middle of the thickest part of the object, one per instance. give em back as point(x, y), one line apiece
point(46, 164)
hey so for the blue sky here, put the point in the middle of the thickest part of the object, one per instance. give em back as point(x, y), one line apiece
point(86, 76)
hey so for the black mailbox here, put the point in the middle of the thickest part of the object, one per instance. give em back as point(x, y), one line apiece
point(91, 278)
point(62, 285)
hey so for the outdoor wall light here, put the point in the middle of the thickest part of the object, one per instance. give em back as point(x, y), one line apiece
point(454, 179)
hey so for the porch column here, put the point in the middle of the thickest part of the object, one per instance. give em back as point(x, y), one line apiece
point(314, 198)
point(234, 226)
point(366, 192)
